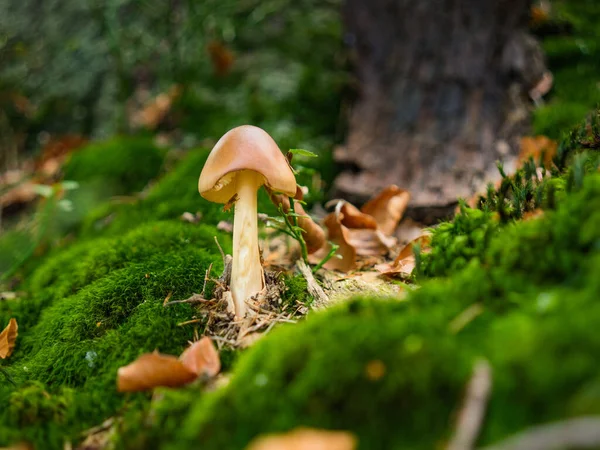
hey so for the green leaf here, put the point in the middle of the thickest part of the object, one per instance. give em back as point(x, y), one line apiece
point(43, 190)
point(302, 152)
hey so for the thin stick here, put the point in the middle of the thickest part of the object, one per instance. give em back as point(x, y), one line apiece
point(473, 410)
point(188, 322)
point(206, 277)
point(580, 433)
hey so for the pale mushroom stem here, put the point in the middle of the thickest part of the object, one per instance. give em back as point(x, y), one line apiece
point(246, 270)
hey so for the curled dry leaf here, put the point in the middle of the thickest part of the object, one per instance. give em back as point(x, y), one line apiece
point(404, 263)
point(202, 358)
point(345, 256)
point(305, 439)
point(387, 208)
point(151, 370)
point(8, 338)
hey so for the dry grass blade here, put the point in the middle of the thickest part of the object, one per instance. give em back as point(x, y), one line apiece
point(472, 413)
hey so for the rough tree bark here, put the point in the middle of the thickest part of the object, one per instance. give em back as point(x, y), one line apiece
point(442, 96)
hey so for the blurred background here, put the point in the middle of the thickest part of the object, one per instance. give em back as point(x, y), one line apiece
point(133, 85)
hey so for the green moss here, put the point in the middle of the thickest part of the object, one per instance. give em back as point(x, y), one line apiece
point(468, 235)
point(120, 166)
point(88, 301)
point(69, 270)
point(573, 57)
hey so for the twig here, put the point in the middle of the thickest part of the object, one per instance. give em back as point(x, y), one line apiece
point(580, 433)
point(167, 298)
point(313, 287)
point(188, 322)
point(206, 278)
point(226, 341)
point(473, 410)
point(195, 298)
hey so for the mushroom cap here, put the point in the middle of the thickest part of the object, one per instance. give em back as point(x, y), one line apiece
point(244, 148)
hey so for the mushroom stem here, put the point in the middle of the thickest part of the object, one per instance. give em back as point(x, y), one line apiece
point(247, 277)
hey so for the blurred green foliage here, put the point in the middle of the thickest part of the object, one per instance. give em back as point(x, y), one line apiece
point(572, 46)
point(77, 64)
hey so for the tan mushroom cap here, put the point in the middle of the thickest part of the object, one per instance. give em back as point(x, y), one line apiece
point(244, 148)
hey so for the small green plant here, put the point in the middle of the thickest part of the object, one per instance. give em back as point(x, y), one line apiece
point(289, 223)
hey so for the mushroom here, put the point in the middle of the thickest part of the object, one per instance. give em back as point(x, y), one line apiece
point(242, 161)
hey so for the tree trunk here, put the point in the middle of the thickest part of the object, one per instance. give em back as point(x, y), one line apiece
point(442, 96)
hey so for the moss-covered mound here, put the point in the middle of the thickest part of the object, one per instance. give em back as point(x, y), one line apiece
point(119, 166)
point(93, 308)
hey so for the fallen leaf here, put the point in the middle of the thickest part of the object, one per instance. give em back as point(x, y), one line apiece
point(352, 217)
point(202, 358)
point(8, 338)
point(55, 152)
point(344, 259)
point(387, 208)
point(404, 263)
point(536, 213)
point(305, 439)
point(369, 242)
point(221, 57)
point(22, 193)
point(542, 87)
point(313, 234)
point(151, 370)
point(155, 110)
point(536, 146)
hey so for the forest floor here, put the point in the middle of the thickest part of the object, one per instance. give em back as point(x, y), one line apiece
point(478, 332)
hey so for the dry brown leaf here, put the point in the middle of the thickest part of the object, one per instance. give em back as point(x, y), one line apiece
point(55, 152)
point(542, 87)
point(155, 110)
point(8, 338)
point(202, 358)
point(19, 446)
point(535, 147)
point(387, 208)
point(536, 213)
point(368, 242)
point(404, 263)
point(352, 217)
point(305, 439)
point(21, 194)
point(344, 259)
point(313, 234)
point(221, 57)
point(151, 370)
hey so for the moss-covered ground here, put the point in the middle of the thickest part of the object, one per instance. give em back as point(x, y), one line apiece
point(520, 294)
